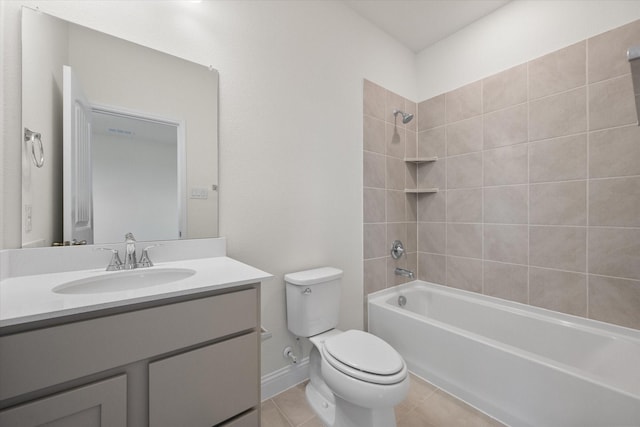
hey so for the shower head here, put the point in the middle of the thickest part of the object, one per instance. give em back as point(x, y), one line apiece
point(406, 117)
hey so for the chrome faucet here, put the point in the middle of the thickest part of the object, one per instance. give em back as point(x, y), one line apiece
point(404, 272)
point(116, 263)
point(144, 260)
point(130, 261)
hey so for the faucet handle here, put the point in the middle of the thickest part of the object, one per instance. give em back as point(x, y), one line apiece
point(145, 261)
point(397, 249)
point(129, 237)
point(115, 263)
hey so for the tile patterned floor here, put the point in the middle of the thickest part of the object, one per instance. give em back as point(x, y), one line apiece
point(425, 406)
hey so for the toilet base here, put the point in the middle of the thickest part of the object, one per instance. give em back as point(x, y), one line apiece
point(346, 414)
point(350, 415)
point(324, 408)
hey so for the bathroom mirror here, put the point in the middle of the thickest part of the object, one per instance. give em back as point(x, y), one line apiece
point(149, 160)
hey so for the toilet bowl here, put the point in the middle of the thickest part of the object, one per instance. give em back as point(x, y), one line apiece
point(355, 377)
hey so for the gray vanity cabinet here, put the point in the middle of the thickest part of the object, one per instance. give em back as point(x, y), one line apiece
point(206, 386)
point(102, 404)
point(188, 362)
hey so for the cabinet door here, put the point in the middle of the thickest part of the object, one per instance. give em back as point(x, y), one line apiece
point(206, 386)
point(102, 404)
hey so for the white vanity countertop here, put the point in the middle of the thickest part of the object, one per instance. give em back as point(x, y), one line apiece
point(30, 298)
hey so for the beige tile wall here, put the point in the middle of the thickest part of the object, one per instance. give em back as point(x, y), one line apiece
point(539, 174)
point(389, 213)
point(539, 177)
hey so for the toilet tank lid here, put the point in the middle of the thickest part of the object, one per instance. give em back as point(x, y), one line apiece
point(314, 276)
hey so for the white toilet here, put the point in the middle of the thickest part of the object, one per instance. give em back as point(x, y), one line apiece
point(355, 378)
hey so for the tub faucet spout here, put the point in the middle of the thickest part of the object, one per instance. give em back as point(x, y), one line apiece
point(404, 272)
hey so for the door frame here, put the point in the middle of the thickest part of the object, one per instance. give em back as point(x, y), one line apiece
point(181, 158)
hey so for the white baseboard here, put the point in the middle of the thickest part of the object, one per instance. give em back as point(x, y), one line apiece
point(278, 381)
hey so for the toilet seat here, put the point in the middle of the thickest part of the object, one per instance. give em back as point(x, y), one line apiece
point(365, 357)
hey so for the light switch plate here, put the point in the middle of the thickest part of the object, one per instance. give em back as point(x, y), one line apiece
point(199, 193)
point(28, 218)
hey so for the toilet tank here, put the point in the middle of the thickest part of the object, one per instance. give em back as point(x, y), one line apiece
point(313, 300)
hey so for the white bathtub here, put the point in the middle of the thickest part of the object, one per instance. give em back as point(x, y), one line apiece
point(522, 365)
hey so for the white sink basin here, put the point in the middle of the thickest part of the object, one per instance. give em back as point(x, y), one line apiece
point(124, 281)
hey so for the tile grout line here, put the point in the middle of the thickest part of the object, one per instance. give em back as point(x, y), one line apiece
point(588, 160)
point(281, 412)
point(386, 200)
point(482, 199)
point(446, 192)
point(528, 184)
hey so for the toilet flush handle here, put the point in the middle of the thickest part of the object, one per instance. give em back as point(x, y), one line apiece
point(307, 291)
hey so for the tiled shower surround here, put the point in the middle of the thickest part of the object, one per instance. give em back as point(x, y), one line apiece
point(538, 173)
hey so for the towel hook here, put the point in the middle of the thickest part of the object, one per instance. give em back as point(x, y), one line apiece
point(31, 137)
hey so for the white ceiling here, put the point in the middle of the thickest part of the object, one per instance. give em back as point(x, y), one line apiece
point(420, 23)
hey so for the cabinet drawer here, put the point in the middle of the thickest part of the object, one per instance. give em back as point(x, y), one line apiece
point(250, 419)
point(101, 404)
point(33, 360)
point(206, 386)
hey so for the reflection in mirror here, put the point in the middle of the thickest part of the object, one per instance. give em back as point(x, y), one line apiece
point(122, 142)
point(150, 155)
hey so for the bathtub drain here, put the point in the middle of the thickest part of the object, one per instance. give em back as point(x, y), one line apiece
point(402, 301)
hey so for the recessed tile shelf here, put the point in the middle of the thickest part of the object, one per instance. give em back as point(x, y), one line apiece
point(421, 159)
point(420, 190)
